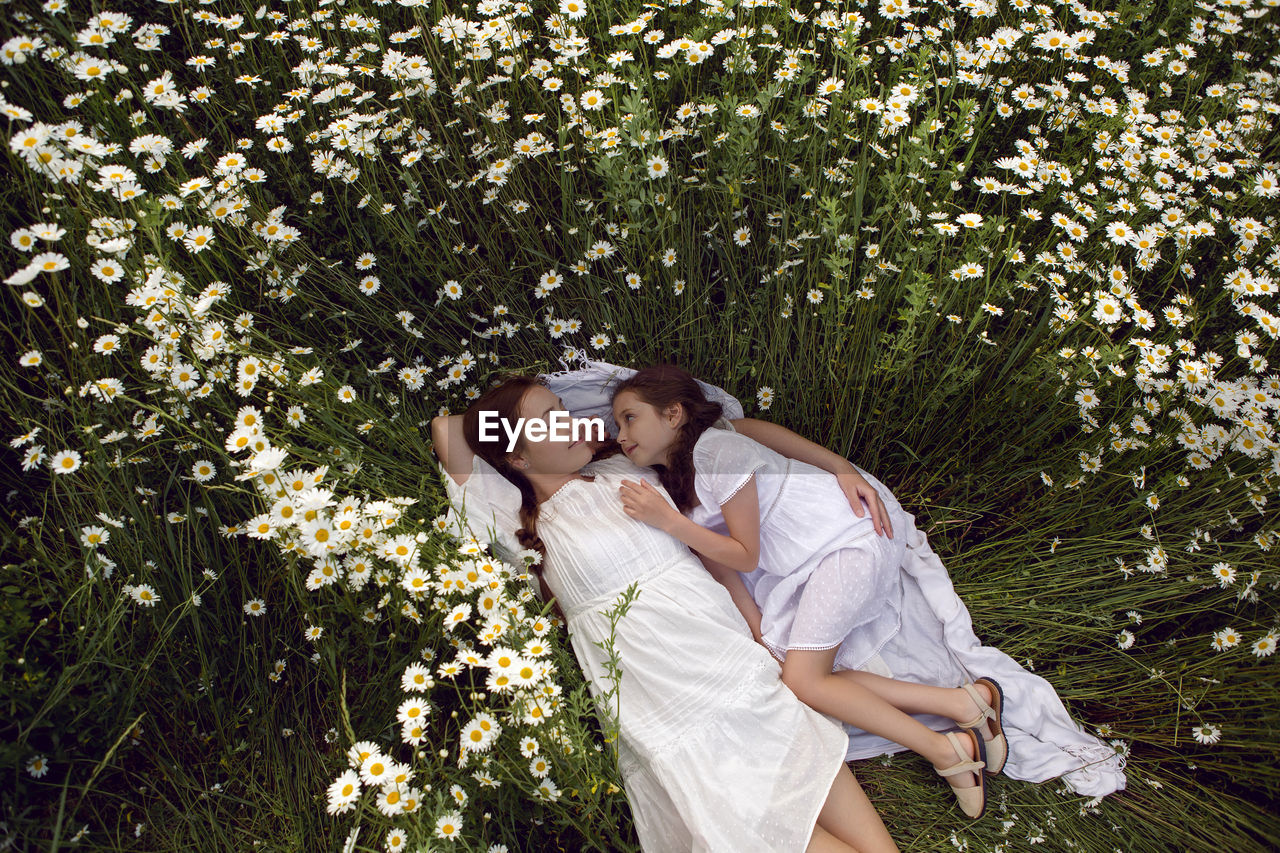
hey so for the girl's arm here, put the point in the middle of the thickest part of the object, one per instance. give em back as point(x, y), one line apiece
point(450, 447)
point(855, 487)
point(732, 581)
point(740, 550)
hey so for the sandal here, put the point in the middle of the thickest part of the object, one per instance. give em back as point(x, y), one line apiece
point(972, 800)
point(997, 745)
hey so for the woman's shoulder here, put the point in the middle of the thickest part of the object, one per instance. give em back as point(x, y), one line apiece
point(616, 464)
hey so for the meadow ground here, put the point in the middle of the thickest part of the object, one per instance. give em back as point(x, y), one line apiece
point(1016, 259)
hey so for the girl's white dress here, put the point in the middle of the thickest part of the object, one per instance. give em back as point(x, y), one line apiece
point(716, 754)
point(826, 578)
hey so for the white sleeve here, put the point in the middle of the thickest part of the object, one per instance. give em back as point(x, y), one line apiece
point(489, 506)
point(723, 462)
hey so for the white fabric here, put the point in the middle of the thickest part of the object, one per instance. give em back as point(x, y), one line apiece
point(488, 504)
point(588, 391)
point(825, 578)
point(934, 644)
point(716, 753)
point(924, 635)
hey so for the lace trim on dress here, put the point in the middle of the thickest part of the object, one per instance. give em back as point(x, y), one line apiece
point(546, 511)
point(743, 484)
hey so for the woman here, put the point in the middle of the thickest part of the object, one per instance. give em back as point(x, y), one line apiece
point(715, 753)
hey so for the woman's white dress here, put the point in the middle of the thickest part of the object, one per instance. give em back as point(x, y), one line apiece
point(716, 754)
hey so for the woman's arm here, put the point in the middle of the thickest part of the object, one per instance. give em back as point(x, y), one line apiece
point(740, 550)
point(855, 487)
point(450, 447)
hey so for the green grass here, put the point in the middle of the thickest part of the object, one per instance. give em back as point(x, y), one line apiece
point(957, 390)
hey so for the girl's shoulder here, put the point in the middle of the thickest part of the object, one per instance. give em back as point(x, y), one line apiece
point(715, 441)
point(719, 451)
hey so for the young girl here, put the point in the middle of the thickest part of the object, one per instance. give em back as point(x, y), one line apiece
point(819, 585)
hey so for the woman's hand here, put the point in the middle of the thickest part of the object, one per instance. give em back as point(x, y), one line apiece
point(643, 502)
point(856, 490)
point(595, 444)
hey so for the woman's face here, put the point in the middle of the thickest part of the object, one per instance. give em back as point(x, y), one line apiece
point(552, 449)
point(645, 434)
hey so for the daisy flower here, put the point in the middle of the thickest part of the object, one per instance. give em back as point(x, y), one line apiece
point(198, 238)
point(32, 457)
point(449, 825)
point(1107, 310)
point(1206, 733)
point(50, 262)
point(390, 800)
point(1224, 574)
point(106, 271)
point(416, 677)
point(144, 594)
point(344, 792)
point(65, 462)
point(1225, 639)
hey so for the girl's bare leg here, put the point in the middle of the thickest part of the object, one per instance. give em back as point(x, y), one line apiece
point(824, 842)
point(849, 820)
point(809, 675)
point(914, 698)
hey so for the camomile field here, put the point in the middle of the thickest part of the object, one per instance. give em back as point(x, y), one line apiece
point(1017, 259)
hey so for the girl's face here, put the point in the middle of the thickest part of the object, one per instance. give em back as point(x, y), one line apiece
point(645, 434)
point(553, 450)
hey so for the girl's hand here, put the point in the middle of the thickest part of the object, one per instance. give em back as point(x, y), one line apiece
point(643, 502)
point(856, 489)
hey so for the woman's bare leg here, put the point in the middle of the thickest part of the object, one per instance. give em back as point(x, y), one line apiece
point(809, 675)
point(849, 820)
